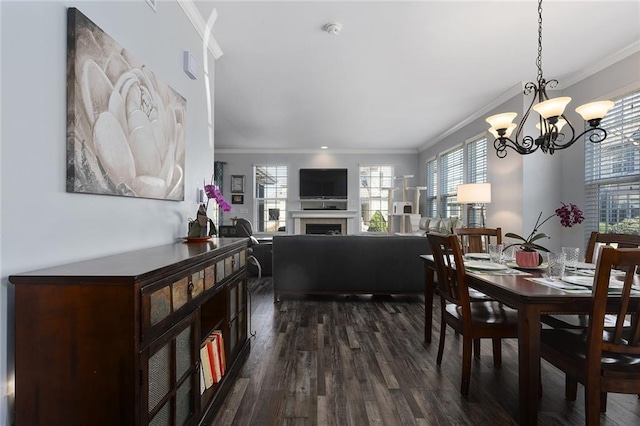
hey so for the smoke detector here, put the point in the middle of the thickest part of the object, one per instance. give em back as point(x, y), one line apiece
point(333, 28)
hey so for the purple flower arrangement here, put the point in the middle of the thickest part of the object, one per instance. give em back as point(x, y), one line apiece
point(212, 191)
point(569, 215)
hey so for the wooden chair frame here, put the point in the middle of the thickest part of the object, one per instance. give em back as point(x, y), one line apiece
point(608, 360)
point(476, 240)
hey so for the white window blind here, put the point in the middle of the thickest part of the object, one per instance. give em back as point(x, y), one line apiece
point(375, 181)
point(432, 188)
point(271, 198)
point(477, 161)
point(612, 171)
point(476, 173)
point(451, 175)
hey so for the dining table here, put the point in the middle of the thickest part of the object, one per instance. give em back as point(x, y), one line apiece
point(532, 295)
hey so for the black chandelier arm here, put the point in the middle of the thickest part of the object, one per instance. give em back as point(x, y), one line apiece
point(527, 146)
point(595, 134)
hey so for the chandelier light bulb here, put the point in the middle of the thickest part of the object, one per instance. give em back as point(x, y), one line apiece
point(553, 107)
point(594, 110)
point(507, 132)
point(501, 121)
point(560, 124)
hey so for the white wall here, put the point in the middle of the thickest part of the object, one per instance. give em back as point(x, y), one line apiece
point(41, 224)
point(524, 186)
point(242, 164)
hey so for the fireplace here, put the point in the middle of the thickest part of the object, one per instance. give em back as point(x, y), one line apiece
point(323, 228)
point(341, 218)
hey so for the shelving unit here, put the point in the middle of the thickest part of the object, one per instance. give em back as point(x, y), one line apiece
point(116, 340)
point(405, 198)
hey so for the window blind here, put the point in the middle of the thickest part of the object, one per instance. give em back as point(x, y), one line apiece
point(477, 161)
point(612, 171)
point(451, 175)
point(432, 188)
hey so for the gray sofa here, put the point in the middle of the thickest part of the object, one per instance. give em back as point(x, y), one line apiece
point(348, 264)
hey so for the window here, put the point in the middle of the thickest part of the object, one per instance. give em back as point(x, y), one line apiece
point(432, 188)
point(374, 197)
point(451, 174)
point(612, 172)
point(465, 164)
point(476, 173)
point(271, 198)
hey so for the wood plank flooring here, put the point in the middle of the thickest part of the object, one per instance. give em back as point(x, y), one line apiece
point(361, 360)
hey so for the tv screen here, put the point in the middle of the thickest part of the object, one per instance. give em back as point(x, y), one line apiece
point(323, 183)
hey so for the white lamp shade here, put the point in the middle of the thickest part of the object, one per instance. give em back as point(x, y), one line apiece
point(507, 132)
point(553, 107)
point(501, 121)
point(560, 124)
point(474, 193)
point(594, 110)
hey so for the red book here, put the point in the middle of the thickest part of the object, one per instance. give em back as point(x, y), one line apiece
point(223, 362)
point(214, 355)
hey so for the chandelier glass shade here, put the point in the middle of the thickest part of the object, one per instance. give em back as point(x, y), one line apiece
point(551, 118)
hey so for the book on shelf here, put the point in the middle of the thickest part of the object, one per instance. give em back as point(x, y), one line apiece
point(214, 356)
point(223, 362)
point(203, 387)
point(205, 366)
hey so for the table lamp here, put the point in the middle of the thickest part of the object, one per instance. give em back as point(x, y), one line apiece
point(474, 193)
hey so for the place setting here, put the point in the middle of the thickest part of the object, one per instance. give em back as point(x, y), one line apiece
point(494, 262)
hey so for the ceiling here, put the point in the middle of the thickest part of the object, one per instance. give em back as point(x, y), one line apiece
point(400, 75)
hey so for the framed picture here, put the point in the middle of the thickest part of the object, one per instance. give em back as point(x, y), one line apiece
point(119, 114)
point(237, 183)
point(237, 199)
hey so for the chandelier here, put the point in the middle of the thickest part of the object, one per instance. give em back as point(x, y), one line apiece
point(551, 118)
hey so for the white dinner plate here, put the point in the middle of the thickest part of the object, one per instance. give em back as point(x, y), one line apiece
point(472, 264)
point(585, 265)
point(481, 256)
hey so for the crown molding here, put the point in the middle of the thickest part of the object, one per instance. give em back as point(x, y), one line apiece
point(201, 26)
point(311, 151)
point(513, 91)
point(600, 65)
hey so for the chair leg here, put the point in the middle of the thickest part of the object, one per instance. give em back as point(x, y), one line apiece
point(476, 348)
point(466, 365)
point(570, 388)
point(443, 332)
point(592, 405)
point(603, 402)
point(497, 352)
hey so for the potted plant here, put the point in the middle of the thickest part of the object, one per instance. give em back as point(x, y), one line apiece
point(528, 255)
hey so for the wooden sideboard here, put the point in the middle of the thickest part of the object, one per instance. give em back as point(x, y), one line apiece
point(116, 340)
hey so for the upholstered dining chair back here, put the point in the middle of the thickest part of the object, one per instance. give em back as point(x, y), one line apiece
point(477, 240)
point(243, 228)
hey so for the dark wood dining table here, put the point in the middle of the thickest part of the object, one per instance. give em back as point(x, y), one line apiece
point(531, 300)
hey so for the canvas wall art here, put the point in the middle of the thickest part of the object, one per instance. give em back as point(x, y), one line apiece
point(125, 128)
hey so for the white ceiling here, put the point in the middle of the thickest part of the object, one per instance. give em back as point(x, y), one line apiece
point(401, 74)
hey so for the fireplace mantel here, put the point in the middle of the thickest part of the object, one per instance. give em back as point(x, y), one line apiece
point(301, 217)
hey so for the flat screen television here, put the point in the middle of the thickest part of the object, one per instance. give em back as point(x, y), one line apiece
point(323, 183)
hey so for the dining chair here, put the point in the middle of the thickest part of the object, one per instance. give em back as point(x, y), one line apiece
point(596, 241)
point(477, 240)
point(473, 320)
point(603, 359)
point(599, 240)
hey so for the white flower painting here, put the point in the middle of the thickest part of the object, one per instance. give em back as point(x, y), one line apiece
point(125, 128)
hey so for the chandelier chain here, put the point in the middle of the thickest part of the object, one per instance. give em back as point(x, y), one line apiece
point(539, 60)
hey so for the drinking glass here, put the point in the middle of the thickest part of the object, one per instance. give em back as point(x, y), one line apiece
point(495, 252)
point(509, 254)
point(571, 255)
point(555, 265)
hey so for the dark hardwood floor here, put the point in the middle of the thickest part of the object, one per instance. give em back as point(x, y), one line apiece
point(361, 360)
